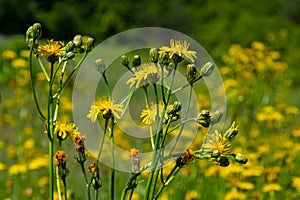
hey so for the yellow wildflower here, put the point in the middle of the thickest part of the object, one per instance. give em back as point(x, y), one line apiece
point(39, 162)
point(217, 141)
point(190, 195)
point(106, 108)
point(19, 63)
point(17, 169)
point(42, 182)
point(52, 50)
point(25, 53)
point(149, 115)
point(258, 46)
point(234, 194)
point(146, 74)
point(2, 166)
point(9, 55)
point(271, 187)
point(245, 185)
point(63, 129)
point(29, 143)
point(296, 183)
point(179, 48)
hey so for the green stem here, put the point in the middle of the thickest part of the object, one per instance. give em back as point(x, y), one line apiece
point(43, 118)
point(97, 194)
point(107, 85)
point(58, 184)
point(86, 179)
point(148, 107)
point(112, 187)
point(43, 68)
point(65, 188)
point(182, 87)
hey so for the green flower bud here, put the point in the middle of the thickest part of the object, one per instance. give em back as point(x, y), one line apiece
point(205, 123)
point(176, 58)
point(100, 65)
point(231, 132)
point(207, 69)
point(216, 117)
point(70, 55)
point(240, 158)
point(77, 40)
point(29, 34)
point(191, 73)
point(136, 61)
point(204, 114)
point(89, 43)
point(125, 61)
point(70, 46)
point(163, 58)
point(37, 30)
point(177, 106)
point(153, 54)
point(223, 161)
point(215, 154)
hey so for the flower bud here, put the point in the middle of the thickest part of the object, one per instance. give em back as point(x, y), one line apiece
point(177, 106)
point(204, 114)
point(207, 69)
point(89, 43)
point(240, 158)
point(70, 55)
point(136, 61)
point(153, 54)
point(231, 132)
point(176, 58)
point(216, 117)
point(125, 61)
point(204, 123)
point(100, 65)
point(37, 30)
point(77, 40)
point(70, 46)
point(223, 161)
point(163, 58)
point(204, 118)
point(191, 73)
point(215, 154)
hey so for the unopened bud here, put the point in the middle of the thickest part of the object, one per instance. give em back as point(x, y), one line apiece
point(163, 58)
point(223, 161)
point(191, 73)
point(176, 58)
point(177, 106)
point(100, 65)
point(204, 114)
point(216, 117)
point(70, 46)
point(37, 30)
point(125, 61)
point(77, 40)
point(215, 154)
point(136, 61)
point(70, 55)
point(89, 43)
point(231, 132)
point(240, 158)
point(153, 54)
point(207, 69)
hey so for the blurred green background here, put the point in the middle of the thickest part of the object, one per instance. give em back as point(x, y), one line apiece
point(216, 25)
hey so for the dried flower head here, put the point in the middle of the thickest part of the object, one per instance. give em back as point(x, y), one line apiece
point(106, 108)
point(179, 48)
point(185, 158)
point(60, 158)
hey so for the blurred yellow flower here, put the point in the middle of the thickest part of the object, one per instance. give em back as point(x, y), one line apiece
point(39, 162)
point(291, 110)
point(11, 151)
point(106, 108)
point(245, 185)
point(234, 194)
point(296, 183)
point(43, 181)
point(2, 143)
point(2, 166)
point(25, 53)
point(179, 48)
point(190, 195)
point(17, 169)
point(296, 132)
point(19, 63)
point(258, 46)
point(269, 113)
point(29, 143)
point(271, 187)
point(9, 55)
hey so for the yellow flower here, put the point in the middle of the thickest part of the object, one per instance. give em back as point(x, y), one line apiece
point(9, 55)
point(25, 53)
point(258, 46)
point(17, 169)
point(271, 187)
point(106, 108)
point(52, 50)
point(179, 48)
point(63, 129)
point(234, 194)
point(190, 195)
point(39, 162)
point(149, 115)
point(296, 183)
point(2, 166)
point(19, 63)
point(245, 185)
point(42, 182)
point(146, 74)
point(217, 141)
point(29, 143)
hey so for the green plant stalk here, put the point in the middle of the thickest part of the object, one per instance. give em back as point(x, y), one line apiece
point(182, 87)
point(112, 186)
point(156, 155)
point(58, 184)
point(86, 179)
point(43, 118)
point(43, 68)
point(184, 118)
point(97, 194)
point(106, 84)
point(65, 188)
point(148, 107)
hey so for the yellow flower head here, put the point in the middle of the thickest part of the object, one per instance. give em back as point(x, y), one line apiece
point(217, 142)
point(149, 115)
point(63, 129)
point(17, 169)
point(146, 74)
point(52, 50)
point(179, 48)
point(19, 63)
point(9, 55)
point(106, 108)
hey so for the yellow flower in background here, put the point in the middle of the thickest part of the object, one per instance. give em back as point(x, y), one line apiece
point(2, 166)
point(106, 108)
point(9, 55)
point(179, 48)
point(63, 129)
point(271, 187)
point(25, 53)
point(269, 113)
point(19, 63)
point(296, 183)
point(29, 143)
point(234, 194)
point(43, 181)
point(39, 162)
point(17, 169)
point(145, 74)
point(190, 195)
point(258, 46)
point(245, 185)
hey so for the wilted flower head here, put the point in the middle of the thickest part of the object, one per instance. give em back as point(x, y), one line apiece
point(179, 48)
point(185, 158)
point(106, 108)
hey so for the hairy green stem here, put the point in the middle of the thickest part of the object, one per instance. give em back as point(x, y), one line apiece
point(112, 186)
